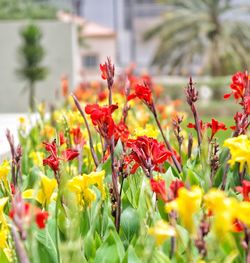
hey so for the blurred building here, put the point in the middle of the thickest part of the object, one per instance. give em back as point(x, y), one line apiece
point(95, 43)
point(130, 19)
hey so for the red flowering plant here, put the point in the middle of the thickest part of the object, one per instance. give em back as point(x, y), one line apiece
point(144, 93)
point(102, 119)
point(240, 87)
point(53, 160)
point(148, 154)
point(215, 126)
point(158, 186)
point(77, 135)
point(244, 190)
point(202, 126)
point(22, 213)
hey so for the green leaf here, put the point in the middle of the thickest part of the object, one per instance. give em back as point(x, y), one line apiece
point(89, 246)
point(111, 251)
point(46, 243)
point(131, 256)
point(130, 224)
point(3, 258)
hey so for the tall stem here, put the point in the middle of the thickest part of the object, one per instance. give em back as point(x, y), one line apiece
point(91, 145)
point(32, 97)
point(177, 164)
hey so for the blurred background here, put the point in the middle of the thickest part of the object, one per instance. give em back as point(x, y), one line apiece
point(46, 42)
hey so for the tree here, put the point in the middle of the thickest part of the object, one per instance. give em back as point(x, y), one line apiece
point(31, 54)
point(21, 9)
point(202, 36)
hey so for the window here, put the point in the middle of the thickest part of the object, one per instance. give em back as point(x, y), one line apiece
point(89, 61)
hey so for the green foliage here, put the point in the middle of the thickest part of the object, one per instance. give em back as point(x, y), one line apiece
point(31, 55)
point(208, 34)
point(23, 9)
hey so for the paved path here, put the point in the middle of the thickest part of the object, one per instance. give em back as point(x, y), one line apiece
point(11, 122)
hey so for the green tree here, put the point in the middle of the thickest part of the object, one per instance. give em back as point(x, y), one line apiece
point(202, 36)
point(31, 55)
point(21, 9)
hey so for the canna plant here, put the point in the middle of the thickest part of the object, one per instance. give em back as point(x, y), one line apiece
point(116, 179)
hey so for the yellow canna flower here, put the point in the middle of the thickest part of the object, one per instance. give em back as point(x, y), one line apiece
point(37, 158)
point(187, 204)
point(45, 193)
point(4, 246)
point(3, 202)
point(149, 131)
point(161, 231)
point(80, 185)
point(243, 213)
point(96, 178)
point(4, 171)
point(224, 211)
point(3, 237)
point(240, 150)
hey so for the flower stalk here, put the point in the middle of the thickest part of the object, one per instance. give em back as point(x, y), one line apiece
point(91, 145)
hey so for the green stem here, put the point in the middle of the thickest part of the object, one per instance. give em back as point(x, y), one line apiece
point(57, 231)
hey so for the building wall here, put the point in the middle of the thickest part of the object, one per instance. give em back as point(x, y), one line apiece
point(103, 47)
point(60, 45)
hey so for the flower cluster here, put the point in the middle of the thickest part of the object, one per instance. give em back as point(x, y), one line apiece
point(102, 119)
point(148, 154)
point(53, 160)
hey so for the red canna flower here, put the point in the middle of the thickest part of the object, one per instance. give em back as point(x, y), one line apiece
point(104, 69)
point(174, 188)
point(51, 147)
point(41, 218)
point(202, 126)
point(77, 136)
point(121, 132)
point(237, 86)
point(147, 153)
point(102, 118)
point(22, 213)
point(53, 160)
point(108, 71)
point(244, 190)
point(144, 93)
point(215, 127)
point(159, 187)
point(62, 139)
point(70, 154)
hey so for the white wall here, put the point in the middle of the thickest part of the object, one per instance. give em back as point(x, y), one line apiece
point(59, 42)
point(103, 47)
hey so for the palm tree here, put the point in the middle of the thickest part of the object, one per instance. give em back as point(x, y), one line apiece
point(202, 37)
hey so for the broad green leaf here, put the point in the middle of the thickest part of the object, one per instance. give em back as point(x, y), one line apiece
point(111, 251)
point(130, 224)
point(131, 256)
